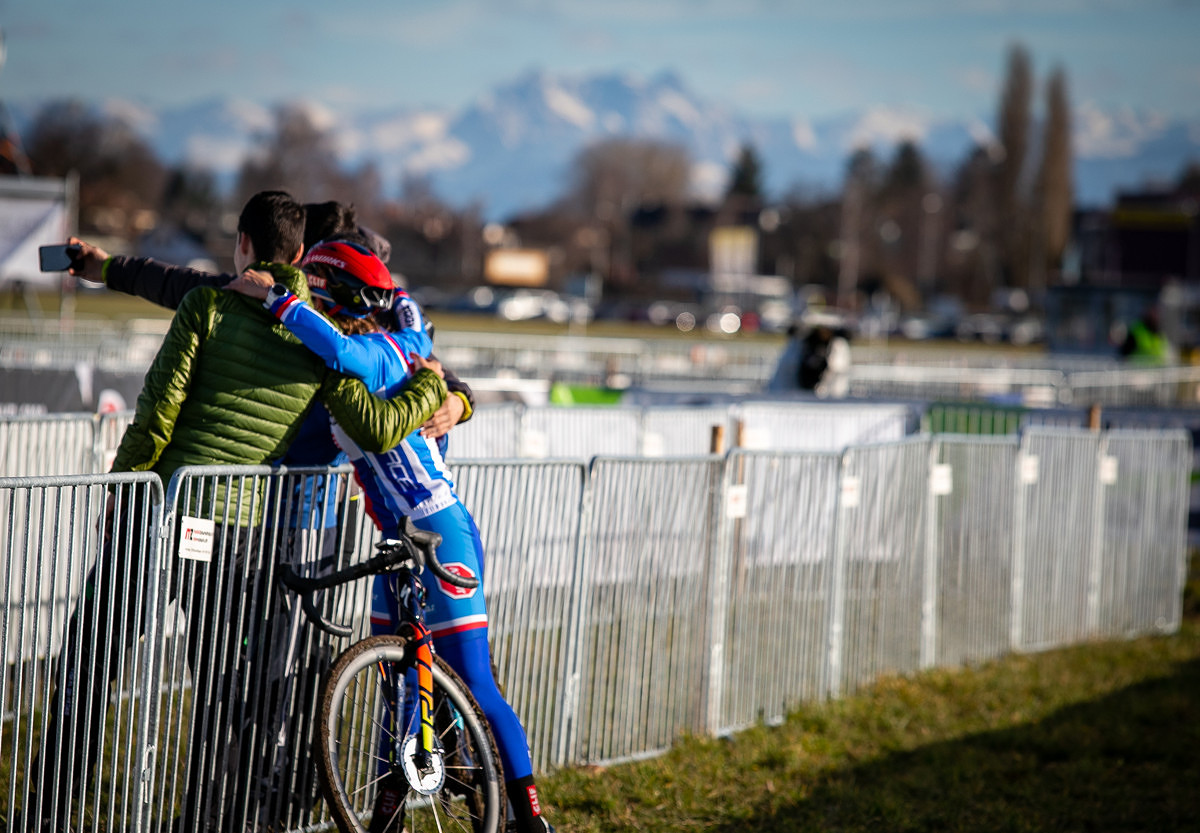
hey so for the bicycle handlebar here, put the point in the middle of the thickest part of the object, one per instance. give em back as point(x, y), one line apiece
point(417, 547)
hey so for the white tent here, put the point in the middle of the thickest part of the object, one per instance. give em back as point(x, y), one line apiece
point(33, 212)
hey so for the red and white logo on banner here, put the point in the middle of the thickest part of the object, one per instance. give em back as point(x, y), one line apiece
point(459, 569)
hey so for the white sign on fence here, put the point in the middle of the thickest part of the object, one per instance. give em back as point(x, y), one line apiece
point(196, 538)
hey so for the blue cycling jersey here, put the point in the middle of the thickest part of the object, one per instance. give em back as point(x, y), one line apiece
point(411, 479)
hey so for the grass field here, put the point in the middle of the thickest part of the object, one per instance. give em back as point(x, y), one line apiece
point(1099, 737)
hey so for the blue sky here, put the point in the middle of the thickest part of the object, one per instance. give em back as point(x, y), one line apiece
point(763, 57)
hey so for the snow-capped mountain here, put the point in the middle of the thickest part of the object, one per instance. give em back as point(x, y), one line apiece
point(512, 149)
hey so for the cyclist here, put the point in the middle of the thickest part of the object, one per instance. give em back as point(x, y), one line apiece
point(412, 481)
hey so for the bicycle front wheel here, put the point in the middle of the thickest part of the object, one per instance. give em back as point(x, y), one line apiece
point(368, 745)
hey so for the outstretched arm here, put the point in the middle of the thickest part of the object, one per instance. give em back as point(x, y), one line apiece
point(157, 282)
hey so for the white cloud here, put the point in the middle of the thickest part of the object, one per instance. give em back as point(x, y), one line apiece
point(440, 156)
point(679, 107)
point(1097, 133)
point(321, 116)
point(614, 122)
point(217, 153)
point(803, 135)
point(253, 117)
point(886, 125)
point(985, 137)
point(397, 134)
point(568, 107)
point(136, 116)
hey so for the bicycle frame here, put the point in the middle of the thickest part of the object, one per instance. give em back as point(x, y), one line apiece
point(403, 557)
point(412, 620)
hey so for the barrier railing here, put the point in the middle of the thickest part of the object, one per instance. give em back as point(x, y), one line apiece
point(54, 584)
point(86, 443)
point(633, 600)
point(48, 444)
point(739, 366)
point(1120, 385)
point(508, 431)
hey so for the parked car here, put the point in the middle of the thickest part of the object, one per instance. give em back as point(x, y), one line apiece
point(981, 326)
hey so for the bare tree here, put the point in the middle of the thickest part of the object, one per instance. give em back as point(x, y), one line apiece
point(1013, 125)
point(191, 200)
point(1189, 180)
point(613, 177)
point(903, 220)
point(1054, 184)
point(120, 177)
point(971, 258)
point(857, 216)
point(301, 158)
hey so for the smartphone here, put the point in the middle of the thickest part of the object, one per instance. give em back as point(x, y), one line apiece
point(57, 258)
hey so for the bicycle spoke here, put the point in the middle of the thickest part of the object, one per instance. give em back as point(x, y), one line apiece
point(464, 791)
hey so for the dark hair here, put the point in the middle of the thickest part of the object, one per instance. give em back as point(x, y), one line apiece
point(327, 220)
point(355, 326)
point(274, 222)
point(335, 220)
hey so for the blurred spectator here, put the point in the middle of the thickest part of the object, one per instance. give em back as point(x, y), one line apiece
point(817, 361)
point(835, 381)
point(1145, 342)
point(787, 369)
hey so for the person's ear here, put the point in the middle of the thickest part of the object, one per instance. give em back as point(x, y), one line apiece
point(299, 254)
point(243, 243)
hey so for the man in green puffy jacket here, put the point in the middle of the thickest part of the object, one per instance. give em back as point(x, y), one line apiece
point(229, 386)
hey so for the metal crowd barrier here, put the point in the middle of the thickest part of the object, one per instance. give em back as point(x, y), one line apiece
point(48, 444)
point(86, 443)
point(529, 516)
point(743, 366)
point(1122, 385)
point(49, 545)
point(633, 600)
point(508, 431)
point(45, 444)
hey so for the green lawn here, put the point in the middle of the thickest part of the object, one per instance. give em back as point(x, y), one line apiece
point(1100, 737)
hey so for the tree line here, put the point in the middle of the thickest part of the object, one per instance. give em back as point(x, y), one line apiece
point(999, 220)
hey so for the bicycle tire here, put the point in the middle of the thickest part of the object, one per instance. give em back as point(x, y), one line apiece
point(471, 795)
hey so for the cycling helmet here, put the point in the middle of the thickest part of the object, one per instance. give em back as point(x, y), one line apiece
point(349, 277)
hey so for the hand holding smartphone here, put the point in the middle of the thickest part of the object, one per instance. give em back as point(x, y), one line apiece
point(57, 258)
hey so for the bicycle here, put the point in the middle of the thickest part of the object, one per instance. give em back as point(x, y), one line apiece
point(401, 739)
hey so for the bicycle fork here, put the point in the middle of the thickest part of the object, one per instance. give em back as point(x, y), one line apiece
point(423, 759)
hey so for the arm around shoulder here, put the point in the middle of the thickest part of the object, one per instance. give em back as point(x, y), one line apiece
point(378, 425)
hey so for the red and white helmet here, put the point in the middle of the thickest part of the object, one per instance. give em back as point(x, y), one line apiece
point(348, 277)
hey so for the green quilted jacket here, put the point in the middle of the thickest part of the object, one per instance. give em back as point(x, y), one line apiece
point(230, 386)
